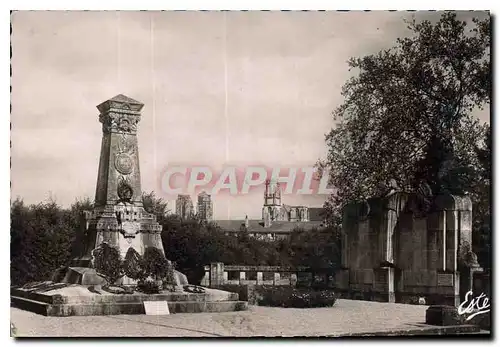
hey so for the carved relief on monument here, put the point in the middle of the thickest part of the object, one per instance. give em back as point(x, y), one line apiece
point(124, 162)
point(124, 189)
point(119, 122)
point(129, 230)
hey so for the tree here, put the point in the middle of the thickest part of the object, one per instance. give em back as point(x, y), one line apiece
point(315, 248)
point(407, 114)
point(155, 205)
point(41, 239)
point(194, 244)
point(481, 207)
point(22, 236)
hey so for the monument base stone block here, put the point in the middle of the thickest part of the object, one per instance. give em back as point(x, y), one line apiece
point(62, 300)
point(442, 315)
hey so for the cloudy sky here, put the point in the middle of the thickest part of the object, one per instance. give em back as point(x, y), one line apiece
point(218, 87)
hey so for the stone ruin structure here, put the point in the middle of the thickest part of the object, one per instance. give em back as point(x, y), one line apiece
point(403, 247)
point(118, 217)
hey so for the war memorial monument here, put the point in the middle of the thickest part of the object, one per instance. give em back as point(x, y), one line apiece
point(120, 221)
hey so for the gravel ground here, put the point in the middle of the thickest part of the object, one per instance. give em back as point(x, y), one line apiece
point(345, 317)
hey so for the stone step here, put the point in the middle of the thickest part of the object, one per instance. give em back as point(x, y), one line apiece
point(84, 297)
point(420, 331)
point(29, 305)
point(116, 308)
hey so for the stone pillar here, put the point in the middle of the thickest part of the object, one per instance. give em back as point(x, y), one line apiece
point(242, 276)
point(259, 277)
point(293, 280)
point(225, 277)
point(386, 236)
point(391, 297)
point(345, 249)
point(206, 279)
point(455, 242)
point(394, 202)
point(441, 241)
point(451, 240)
point(276, 278)
point(216, 274)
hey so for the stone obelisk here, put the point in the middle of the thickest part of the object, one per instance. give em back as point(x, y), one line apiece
point(118, 217)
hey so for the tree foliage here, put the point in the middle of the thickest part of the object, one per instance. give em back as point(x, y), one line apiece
point(155, 205)
point(315, 248)
point(407, 113)
point(42, 236)
point(407, 116)
point(193, 245)
point(481, 206)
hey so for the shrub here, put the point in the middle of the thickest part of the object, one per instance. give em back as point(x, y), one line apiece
point(284, 296)
point(107, 263)
point(41, 239)
point(148, 287)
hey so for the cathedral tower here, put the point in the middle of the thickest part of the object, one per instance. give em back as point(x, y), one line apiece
point(205, 208)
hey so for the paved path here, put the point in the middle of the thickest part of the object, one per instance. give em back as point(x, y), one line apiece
point(345, 317)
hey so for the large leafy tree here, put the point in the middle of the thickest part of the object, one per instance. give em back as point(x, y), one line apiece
point(315, 248)
point(406, 117)
point(481, 207)
point(42, 237)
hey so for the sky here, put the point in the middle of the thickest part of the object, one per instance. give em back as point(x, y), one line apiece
point(219, 88)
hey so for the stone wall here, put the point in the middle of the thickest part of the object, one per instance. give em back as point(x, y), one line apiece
point(396, 250)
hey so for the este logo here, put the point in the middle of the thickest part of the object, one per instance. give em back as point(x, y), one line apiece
point(474, 306)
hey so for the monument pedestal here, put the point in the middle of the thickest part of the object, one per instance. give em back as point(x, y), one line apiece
point(57, 299)
point(442, 315)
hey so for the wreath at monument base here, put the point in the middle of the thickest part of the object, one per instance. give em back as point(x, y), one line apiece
point(118, 289)
point(191, 288)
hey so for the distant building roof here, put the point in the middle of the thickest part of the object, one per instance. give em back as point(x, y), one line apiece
point(257, 226)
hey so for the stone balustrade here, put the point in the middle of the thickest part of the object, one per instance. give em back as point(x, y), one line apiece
point(218, 274)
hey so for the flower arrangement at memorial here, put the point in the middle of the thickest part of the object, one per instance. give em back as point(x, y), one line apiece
point(134, 266)
point(156, 264)
point(155, 270)
point(107, 263)
point(151, 271)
